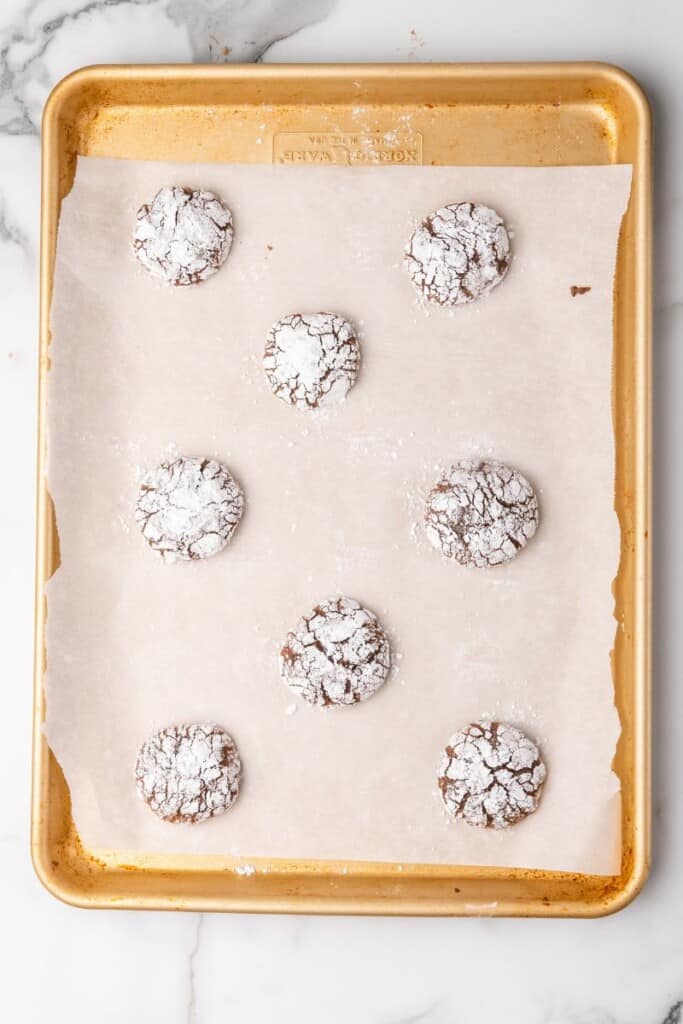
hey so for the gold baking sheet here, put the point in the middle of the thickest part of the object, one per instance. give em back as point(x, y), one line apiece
point(477, 115)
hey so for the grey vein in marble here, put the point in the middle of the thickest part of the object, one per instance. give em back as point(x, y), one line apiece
point(232, 30)
point(11, 232)
point(421, 1017)
point(675, 1014)
point(192, 1001)
point(238, 31)
point(22, 47)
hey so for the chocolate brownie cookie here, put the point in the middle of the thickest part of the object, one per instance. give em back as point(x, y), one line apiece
point(188, 773)
point(337, 654)
point(188, 508)
point(491, 775)
point(481, 513)
point(311, 359)
point(458, 254)
point(183, 236)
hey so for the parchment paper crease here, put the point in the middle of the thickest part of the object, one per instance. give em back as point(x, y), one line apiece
point(334, 505)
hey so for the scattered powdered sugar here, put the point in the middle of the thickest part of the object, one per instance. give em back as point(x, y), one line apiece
point(311, 359)
point(338, 654)
point(481, 512)
point(188, 773)
point(183, 236)
point(458, 254)
point(491, 775)
point(188, 508)
point(245, 869)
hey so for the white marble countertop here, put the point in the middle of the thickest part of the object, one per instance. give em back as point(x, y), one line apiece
point(60, 964)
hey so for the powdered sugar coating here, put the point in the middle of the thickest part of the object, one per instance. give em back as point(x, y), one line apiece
point(188, 508)
point(481, 513)
point(311, 359)
point(338, 654)
point(188, 773)
point(458, 254)
point(183, 236)
point(491, 775)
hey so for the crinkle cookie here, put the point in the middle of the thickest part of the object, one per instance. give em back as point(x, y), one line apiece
point(458, 254)
point(311, 359)
point(337, 654)
point(183, 236)
point(491, 775)
point(188, 773)
point(481, 513)
point(188, 508)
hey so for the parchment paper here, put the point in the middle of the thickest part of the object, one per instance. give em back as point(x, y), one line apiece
point(334, 505)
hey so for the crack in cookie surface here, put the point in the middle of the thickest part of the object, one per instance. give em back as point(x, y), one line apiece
point(311, 359)
point(188, 508)
point(187, 773)
point(481, 513)
point(491, 775)
point(338, 654)
point(183, 236)
point(458, 254)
